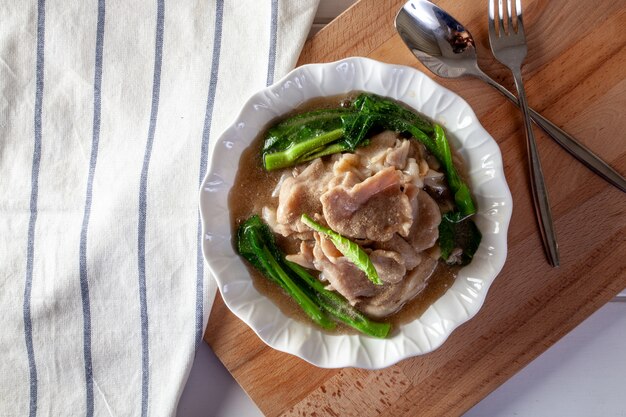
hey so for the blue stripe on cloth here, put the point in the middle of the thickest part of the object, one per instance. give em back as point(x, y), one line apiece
point(271, 60)
point(30, 249)
point(82, 258)
point(204, 150)
point(143, 185)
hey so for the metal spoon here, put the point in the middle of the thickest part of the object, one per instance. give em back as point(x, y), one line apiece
point(446, 48)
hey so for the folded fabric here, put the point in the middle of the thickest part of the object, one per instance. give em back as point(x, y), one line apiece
point(108, 112)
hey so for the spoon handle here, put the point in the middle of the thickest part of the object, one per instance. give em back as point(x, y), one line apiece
point(538, 186)
point(568, 142)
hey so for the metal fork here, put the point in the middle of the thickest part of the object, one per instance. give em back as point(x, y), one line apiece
point(508, 44)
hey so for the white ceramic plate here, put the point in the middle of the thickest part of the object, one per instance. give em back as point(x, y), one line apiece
point(460, 303)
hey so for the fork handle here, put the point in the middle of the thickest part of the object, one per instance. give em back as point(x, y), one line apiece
point(568, 142)
point(540, 194)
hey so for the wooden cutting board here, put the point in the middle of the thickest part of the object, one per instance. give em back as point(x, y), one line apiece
point(575, 75)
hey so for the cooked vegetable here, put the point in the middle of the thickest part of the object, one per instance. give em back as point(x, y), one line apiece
point(323, 132)
point(295, 140)
point(381, 113)
point(348, 248)
point(456, 232)
point(334, 304)
point(255, 242)
point(302, 127)
point(462, 196)
point(298, 152)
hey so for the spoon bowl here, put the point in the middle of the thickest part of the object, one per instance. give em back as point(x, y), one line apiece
point(437, 39)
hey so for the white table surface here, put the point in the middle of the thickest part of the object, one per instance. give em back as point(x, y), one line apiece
point(583, 375)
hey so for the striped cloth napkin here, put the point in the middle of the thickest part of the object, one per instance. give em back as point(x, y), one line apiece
point(108, 112)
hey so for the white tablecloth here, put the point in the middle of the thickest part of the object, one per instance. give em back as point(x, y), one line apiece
point(108, 109)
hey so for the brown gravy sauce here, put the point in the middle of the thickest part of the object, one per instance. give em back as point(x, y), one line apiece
point(252, 191)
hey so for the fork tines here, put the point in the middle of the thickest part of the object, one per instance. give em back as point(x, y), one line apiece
point(512, 17)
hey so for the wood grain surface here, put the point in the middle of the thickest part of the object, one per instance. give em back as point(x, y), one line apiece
point(575, 74)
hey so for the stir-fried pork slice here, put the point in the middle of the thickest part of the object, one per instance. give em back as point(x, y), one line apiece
point(387, 149)
point(305, 257)
point(389, 265)
point(373, 209)
point(328, 248)
point(425, 229)
point(407, 253)
point(412, 172)
point(350, 163)
point(376, 151)
point(391, 297)
point(346, 180)
point(397, 157)
point(412, 192)
point(342, 275)
point(269, 216)
point(300, 194)
point(279, 184)
point(347, 279)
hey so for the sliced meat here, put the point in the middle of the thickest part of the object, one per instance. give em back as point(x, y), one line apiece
point(391, 297)
point(376, 151)
point(350, 163)
point(397, 157)
point(425, 229)
point(389, 265)
point(412, 192)
point(407, 253)
point(346, 180)
point(305, 257)
point(342, 275)
point(412, 173)
point(300, 194)
point(373, 209)
point(348, 280)
point(269, 216)
point(279, 184)
point(328, 248)
point(386, 149)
